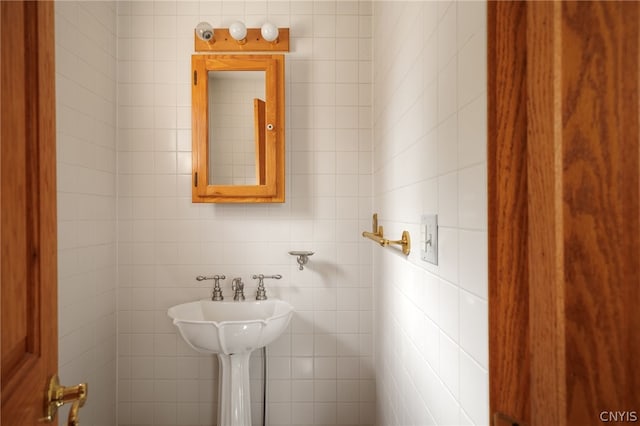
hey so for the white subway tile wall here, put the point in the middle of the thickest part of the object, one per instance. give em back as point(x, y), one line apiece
point(321, 370)
point(386, 112)
point(429, 156)
point(86, 43)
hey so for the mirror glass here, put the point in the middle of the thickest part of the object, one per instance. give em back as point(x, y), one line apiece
point(236, 126)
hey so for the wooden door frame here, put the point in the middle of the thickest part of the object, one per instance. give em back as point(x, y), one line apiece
point(564, 215)
point(507, 208)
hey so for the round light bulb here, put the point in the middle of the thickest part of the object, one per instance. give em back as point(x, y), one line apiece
point(238, 31)
point(269, 32)
point(204, 30)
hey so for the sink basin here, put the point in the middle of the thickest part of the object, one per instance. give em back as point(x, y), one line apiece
point(231, 330)
point(231, 327)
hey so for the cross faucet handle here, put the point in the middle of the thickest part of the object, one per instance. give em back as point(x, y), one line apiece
point(262, 276)
point(261, 294)
point(213, 277)
point(217, 291)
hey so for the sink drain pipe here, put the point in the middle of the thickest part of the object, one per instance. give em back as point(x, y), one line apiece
point(264, 386)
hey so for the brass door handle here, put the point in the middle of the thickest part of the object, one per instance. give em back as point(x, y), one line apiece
point(56, 396)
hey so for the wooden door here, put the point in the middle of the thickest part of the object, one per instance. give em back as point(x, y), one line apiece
point(28, 296)
point(564, 231)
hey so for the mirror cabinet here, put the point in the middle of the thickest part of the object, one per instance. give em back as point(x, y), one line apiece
point(238, 128)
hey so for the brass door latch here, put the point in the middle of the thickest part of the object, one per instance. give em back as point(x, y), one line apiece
point(56, 396)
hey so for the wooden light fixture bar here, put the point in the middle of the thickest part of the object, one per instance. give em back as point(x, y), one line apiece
point(223, 42)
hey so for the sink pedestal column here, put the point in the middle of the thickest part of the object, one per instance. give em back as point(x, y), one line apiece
point(234, 402)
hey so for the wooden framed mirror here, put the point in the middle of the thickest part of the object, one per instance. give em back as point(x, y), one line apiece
point(238, 128)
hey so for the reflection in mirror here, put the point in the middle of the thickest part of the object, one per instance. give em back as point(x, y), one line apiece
point(236, 127)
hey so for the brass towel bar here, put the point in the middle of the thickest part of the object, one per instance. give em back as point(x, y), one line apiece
point(378, 236)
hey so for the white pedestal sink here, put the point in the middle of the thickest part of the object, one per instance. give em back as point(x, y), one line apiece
point(232, 330)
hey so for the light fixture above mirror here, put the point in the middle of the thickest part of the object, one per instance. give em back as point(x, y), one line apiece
point(268, 38)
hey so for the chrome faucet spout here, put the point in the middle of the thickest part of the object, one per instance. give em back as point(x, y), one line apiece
point(237, 286)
